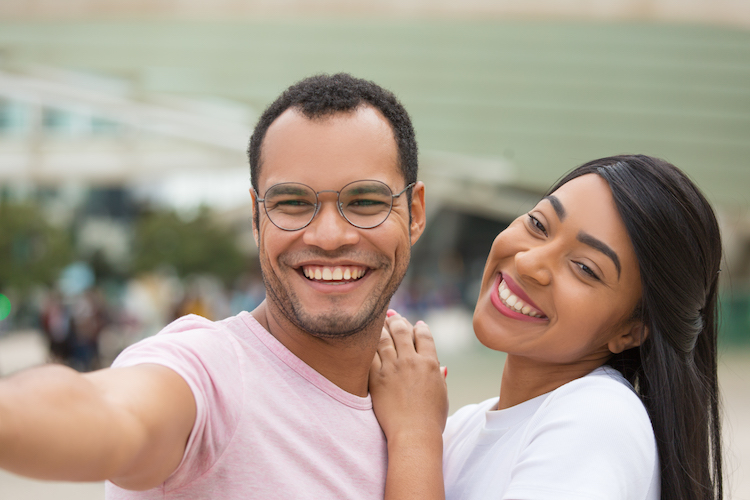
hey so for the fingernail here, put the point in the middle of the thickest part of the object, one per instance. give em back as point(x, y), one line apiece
point(420, 322)
point(444, 371)
point(390, 313)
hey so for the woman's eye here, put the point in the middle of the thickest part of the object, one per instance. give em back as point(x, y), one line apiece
point(586, 269)
point(538, 226)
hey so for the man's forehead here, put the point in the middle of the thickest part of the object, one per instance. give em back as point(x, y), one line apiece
point(362, 136)
point(363, 112)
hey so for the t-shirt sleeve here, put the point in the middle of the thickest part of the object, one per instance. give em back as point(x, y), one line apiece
point(206, 356)
point(588, 441)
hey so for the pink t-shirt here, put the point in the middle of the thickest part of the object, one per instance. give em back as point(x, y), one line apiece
point(267, 424)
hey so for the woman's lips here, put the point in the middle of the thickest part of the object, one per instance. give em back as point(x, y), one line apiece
point(510, 300)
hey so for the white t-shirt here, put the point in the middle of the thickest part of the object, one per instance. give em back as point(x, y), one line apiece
point(267, 425)
point(590, 439)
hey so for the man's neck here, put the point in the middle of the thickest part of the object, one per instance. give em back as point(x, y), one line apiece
point(344, 361)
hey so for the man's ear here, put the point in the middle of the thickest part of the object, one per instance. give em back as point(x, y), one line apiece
point(418, 219)
point(631, 336)
point(254, 207)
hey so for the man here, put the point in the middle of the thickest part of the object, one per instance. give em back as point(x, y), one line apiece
point(273, 403)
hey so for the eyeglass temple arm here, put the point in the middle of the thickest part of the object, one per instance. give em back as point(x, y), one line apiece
point(403, 190)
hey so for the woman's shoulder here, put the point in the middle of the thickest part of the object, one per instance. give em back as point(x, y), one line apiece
point(599, 403)
point(604, 384)
point(592, 427)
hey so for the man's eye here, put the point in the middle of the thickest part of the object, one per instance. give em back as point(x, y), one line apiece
point(294, 203)
point(365, 203)
point(291, 205)
point(365, 206)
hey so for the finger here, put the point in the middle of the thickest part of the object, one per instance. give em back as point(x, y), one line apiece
point(423, 341)
point(386, 348)
point(395, 318)
point(402, 334)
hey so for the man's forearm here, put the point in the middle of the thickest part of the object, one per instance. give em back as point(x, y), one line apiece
point(129, 425)
point(56, 424)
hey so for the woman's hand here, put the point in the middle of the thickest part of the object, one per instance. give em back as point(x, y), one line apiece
point(410, 400)
point(406, 382)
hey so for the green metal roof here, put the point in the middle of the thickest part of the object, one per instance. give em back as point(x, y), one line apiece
point(544, 95)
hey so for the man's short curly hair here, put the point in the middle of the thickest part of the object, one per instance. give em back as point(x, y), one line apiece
point(325, 95)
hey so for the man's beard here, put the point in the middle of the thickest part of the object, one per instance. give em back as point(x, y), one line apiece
point(333, 323)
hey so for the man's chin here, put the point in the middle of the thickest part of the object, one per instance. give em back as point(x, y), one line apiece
point(338, 325)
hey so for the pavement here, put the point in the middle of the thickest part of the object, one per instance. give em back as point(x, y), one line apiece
point(473, 376)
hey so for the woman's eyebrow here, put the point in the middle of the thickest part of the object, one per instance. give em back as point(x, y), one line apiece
point(559, 208)
point(596, 244)
point(586, 238)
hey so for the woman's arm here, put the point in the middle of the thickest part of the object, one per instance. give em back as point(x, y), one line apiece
point(410, 399)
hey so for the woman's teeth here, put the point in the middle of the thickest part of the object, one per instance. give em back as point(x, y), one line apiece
point(338, 273)
point(513, 302)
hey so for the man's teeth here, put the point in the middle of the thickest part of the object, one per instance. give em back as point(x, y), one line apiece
point(513, 302)
point(337, 273)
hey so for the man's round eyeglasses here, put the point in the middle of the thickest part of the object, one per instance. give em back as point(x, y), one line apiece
point(292, 206)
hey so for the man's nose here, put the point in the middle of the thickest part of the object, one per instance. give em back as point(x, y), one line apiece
point(329, 230)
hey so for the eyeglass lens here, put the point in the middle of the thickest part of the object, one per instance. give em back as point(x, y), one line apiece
point(364, 204)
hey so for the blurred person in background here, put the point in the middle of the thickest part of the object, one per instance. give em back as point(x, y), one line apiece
point(192, 303)
point(247, 293)
point(57, 325)
point(72, 326)
point(604, 297)
point(90, 316)
point(272, 403)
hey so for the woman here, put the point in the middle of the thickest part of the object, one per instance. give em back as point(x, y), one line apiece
point(604, 298)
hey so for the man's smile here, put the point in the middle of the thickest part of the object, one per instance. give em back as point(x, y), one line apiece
point(334, 274)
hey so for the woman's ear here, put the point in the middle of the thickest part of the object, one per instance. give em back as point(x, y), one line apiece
point(631, 336)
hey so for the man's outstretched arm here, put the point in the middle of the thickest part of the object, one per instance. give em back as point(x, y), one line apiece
point(128, 425)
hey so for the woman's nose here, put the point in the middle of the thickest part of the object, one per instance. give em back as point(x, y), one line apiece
point(536, 263)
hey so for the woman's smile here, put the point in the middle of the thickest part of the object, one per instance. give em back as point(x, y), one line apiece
point(511, 301)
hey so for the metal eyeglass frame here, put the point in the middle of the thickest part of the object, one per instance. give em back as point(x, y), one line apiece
point(339, 205)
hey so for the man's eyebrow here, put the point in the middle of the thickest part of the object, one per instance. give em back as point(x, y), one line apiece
point(589, 240)
point(288, 188)
point(559, 208)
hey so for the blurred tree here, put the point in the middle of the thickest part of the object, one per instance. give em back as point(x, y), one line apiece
point(32, 252)
point(199, 246)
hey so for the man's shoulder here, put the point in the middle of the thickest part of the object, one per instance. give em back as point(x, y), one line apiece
point(193, 323)
point(199, 336)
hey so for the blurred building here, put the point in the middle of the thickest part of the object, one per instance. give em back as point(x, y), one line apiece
point(732, 12)
point(91, 147)
point(506, 97)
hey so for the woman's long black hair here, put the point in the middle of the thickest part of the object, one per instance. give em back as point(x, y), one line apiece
point(678, 246)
